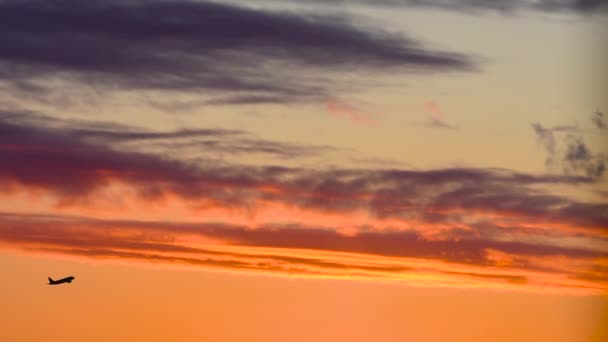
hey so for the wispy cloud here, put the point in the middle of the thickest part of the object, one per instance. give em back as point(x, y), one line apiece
point(598, 120)
point(436, 116)
point(91, 134)
point(340, 109)
point(547, 138)
point(502, 6)
point(575, 156)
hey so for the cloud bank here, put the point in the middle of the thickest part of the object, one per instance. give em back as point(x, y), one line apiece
point(459, 227)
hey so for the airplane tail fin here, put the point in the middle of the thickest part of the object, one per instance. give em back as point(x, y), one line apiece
point(51, 280)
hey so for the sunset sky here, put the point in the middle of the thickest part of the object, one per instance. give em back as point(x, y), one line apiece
point(312, 170)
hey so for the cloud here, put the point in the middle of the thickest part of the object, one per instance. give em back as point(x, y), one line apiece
point(75, 162)
point(250, 100)
point(302, 251)
point(437, 116)
point(96, 134)
point(388, 224)
point(193, 46)
point(341, 109)
point(598, 120)
point(576, 157)
point(546, 137)
point(503, 6)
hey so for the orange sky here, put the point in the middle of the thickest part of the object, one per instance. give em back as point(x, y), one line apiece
point(127, 303)
point(312, 170)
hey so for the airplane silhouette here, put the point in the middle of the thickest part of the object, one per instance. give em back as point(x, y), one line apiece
point(61, 281)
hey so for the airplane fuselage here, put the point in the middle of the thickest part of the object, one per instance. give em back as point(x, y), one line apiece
point(61, 281)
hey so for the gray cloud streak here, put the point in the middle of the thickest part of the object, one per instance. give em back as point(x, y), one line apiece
point(195, 46)
point(476, 6)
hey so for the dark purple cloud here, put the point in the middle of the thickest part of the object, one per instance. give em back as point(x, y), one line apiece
point(74, 161)
point(206, 141)
point(192, 46)
point(401, 244)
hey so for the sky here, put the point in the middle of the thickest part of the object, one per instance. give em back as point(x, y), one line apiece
point(304, 170)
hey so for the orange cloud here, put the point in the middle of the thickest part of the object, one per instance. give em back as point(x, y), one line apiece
point(307, 252)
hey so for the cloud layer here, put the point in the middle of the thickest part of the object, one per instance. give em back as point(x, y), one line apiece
point(448, 227)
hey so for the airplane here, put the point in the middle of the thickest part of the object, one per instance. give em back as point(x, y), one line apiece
point(61, 281)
